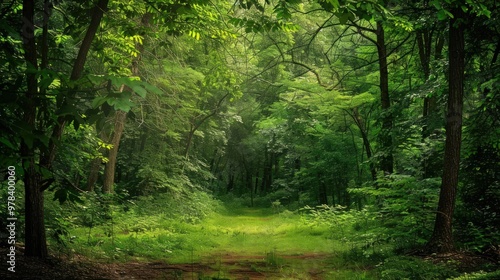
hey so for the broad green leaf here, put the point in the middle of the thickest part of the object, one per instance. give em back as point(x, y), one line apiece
point(139, 90)
point(98, 101)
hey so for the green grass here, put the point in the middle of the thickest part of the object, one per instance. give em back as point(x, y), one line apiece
point(268, 241)
point(253, 232)
point(280, 245)
point(327, 241)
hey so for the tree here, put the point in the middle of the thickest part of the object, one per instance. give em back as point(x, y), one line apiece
point(37, 165)
point(442, 237)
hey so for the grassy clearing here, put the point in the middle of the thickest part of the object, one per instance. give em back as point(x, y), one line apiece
point(316, 243)
point(280, 245)
point(254, 232)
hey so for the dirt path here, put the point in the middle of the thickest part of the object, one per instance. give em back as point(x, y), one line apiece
point(226, 266)
point(221, 266)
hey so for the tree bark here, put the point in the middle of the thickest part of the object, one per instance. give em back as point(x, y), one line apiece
point(387, 160)
point(442, 237)
point(109, 170)
point(35, 240)
point(120, 118)
point(322, 191)
point(95, 166)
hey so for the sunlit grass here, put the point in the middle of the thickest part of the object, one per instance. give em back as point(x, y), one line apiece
point(256, 234)
point(255, 231)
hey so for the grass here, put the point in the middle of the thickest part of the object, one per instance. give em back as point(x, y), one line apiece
point(228, 241)
point(255, 231)
point(282, 245)
point(268, 242)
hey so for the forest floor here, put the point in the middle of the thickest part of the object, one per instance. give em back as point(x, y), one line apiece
point(226, 267)
point(249, 244)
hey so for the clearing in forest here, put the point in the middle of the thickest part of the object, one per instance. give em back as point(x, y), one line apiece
point(243, 243)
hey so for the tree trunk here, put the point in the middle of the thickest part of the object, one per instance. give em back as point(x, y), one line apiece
point(95, 166)
point(109, 170)
point(256, 181)
point(442, 238)
point(366, 142)
point(264, 172)
point(249, 183)
point(387, 161)
point(120, 117)
point(35, 240)
point(322, 194)
point(230, 183)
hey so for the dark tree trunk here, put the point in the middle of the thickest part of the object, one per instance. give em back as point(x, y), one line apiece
point(387, 160)
point(35, 240)
point(267, 174)
point(323, 198)
point(95, 21)
point(442, 238)
point(334, 189)
point(230, 183)
point(424, 39)
point(256, 181)
point(249, 183)
point(95, 165)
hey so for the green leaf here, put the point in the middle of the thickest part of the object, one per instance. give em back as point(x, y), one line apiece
point(139, 90)
point(98, 101)
point(7, 143)
point(121, 104)
point(151, 88)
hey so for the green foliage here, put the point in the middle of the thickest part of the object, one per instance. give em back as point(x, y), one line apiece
point(268, 104)
point(406, 207)
point(360, 230)
point(480, 275)
point(479, 210)
point(399, 267)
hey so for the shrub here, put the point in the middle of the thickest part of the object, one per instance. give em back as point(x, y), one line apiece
point(400, 267)
point(480, 275)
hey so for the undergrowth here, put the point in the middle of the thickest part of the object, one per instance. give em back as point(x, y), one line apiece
point(197, 228)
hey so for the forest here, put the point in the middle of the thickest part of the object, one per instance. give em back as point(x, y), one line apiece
point(250, 139)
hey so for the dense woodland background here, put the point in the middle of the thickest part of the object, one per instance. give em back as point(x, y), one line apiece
point(386, 107)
